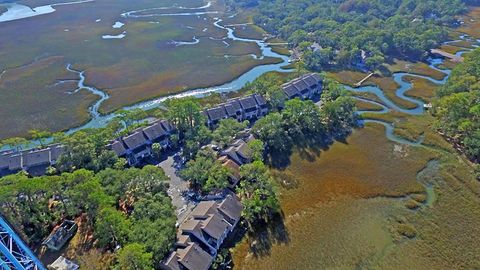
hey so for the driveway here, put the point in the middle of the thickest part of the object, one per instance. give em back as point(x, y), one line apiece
point(178, 187)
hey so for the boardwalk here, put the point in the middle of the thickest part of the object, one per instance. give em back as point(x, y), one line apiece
point(358, 84)
point(453, 57)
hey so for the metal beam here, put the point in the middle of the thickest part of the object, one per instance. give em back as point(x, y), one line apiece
point(14, 252)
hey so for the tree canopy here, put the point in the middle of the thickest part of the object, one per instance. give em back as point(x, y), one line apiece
point(345, 32)
point(457, 107)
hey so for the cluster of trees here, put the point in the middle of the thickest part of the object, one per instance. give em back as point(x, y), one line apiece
point(129, 209)
point(341, 30)
point(457, 107)
point(303, 122)
point(206, 173)
point(258, 193)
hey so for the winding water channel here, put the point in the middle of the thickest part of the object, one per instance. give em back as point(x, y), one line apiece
point(98, 120)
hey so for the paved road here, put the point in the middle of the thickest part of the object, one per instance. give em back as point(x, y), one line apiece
point(177, 187)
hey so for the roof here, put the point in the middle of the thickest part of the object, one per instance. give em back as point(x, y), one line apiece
point(244, 150)
point(234, 104)
point(56, 151)
point(231, 207)
point(135, 140)
point(4, 159)
point(167, 126)
point(63, 264)
point(216, 113)
point(290, 90)
point(232, 167)
point(15, 162)
point(154, 131)
point(260, 100)
point(300, 85)
point(215, 226)
point(311, 79)
point(194, 258)
point(191, 225)
point(231, 109)
point(203, 209)
point(36, 157)
point(232, 154)
point(118, 148)
point(248, 102)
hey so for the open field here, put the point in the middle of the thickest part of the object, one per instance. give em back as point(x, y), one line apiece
point(147, 63)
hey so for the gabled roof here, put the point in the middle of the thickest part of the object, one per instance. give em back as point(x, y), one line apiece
point(231, 109)
point(243, 149)
point(310, 79)
point(119, 148)
point(290, 90)
point(232, 167)
point(235, 104)
point(167, 126)
point(232, 154)
point(260, 100)
point(231, 207)
point(56, 151)
point(154, 131)
point(300, 85)
point(135, 140)
point(215, 226)
point(15, 162)
point(203, 209)
point(193, 257)
point(36, 158)
point(216, 113)
point(248, 102)
point(4, 159)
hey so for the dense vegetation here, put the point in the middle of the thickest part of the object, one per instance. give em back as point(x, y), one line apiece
point(304, 123)
point(457, 107)
point(349, 32)
point(124, 208)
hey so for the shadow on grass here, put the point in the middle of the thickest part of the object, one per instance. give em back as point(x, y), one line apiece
point(309, 148)
point(267, 234)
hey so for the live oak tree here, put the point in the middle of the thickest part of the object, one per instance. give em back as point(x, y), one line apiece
point(135, 257)
point(257, 193)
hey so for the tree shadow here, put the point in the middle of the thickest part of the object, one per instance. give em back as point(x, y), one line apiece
point(267, 234)
point(308, 147)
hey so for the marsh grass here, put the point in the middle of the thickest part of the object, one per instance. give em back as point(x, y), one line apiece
point(31, 99)
point(362, 106)
point(419, 68)
point(472, 24)
point(421, 88)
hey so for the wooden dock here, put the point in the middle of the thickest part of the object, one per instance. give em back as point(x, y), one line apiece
point(452, 57)
point(358, 84)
